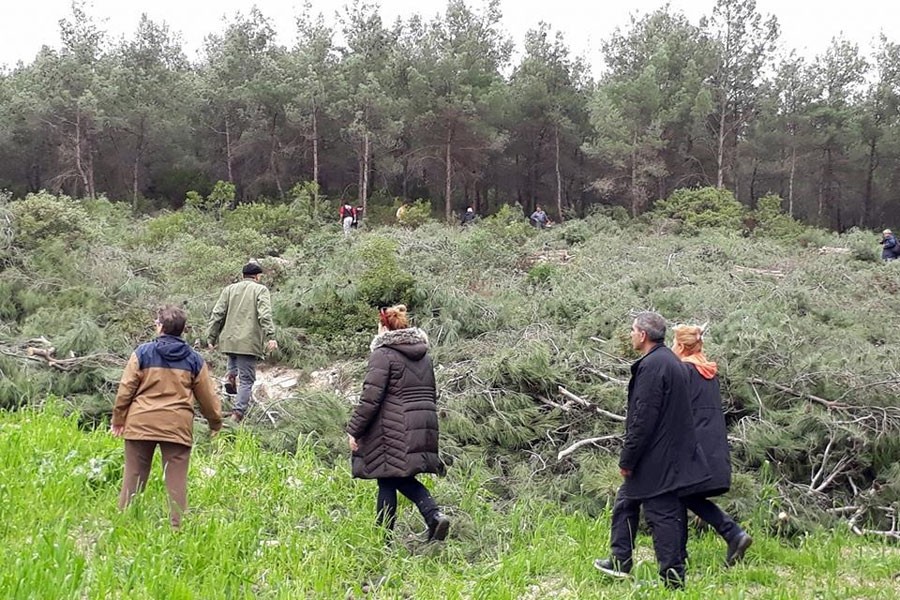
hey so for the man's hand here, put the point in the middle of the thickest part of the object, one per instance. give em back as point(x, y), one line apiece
point(354, 445)
point(117, 430)
point(626, 473)
point(210, 346)
point(271, 345)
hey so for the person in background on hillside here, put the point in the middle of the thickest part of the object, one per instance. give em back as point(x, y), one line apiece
point(709, 423)
point(357, 217)
point(240, 323)
point(660, 457)
point(468, 217)
point(890, 249)
point(155, 407)
point(393, 433)
point(348, 216)
point(539, 218)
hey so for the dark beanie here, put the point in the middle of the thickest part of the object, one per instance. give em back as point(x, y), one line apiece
point(251, 268)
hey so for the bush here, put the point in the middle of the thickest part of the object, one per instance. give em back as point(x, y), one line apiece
point(414, 215)
point(41, 217)
point(701, 208)
point(771, 220)
point(384, 282)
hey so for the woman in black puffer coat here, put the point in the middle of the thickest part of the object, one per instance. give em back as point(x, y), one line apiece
point(712, 434)
point(394, 430)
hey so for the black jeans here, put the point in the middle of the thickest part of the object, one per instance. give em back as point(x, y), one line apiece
point(668, 525)
point(409, 487)
point(713, 516)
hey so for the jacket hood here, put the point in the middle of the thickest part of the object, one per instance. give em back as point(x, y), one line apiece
point(412, 342)
point(172, 348)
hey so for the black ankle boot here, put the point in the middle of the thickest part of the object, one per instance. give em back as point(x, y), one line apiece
point(438, 527)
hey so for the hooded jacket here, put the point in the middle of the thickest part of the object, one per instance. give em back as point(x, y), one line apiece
point(155, 401)
point(396, 422)
point(241, 321)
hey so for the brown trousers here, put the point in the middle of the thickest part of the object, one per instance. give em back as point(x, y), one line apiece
point(138, 460)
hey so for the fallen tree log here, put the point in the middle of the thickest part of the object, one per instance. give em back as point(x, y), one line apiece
point(595, 440)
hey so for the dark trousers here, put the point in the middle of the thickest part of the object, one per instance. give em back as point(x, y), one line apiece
point(409, 487)
point(175, 461)
point(713, 516)
point(668, 526)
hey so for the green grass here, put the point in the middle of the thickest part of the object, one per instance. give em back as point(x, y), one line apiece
point(266, 525)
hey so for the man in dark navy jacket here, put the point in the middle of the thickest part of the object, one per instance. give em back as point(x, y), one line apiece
point(659, 458)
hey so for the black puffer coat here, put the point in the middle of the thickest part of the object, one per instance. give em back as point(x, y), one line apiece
point(660, 447)
point(396, 422)
point(712, 433)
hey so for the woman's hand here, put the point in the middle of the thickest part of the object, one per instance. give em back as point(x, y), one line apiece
point(117, 430)
point(354, 445)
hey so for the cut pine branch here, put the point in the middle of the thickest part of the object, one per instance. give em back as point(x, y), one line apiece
point(586, 404)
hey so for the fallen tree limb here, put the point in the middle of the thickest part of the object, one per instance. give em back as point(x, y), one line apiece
point(596, 440)
point(770, 272)
point(829, 404)
point(45, 356)
point(586, 404)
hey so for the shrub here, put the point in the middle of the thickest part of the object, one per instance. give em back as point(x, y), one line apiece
point(415, 215)
point(701, 208)
point(41, 217)
point(771, 220)
point(384, 282)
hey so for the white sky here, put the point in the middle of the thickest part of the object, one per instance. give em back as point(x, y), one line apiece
point(807, 25)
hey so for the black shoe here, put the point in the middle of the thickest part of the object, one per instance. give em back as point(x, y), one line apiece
point(736, 549)
point(438, 528)
point(614, 567)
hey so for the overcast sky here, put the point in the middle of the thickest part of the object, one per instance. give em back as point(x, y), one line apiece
point(807, 25)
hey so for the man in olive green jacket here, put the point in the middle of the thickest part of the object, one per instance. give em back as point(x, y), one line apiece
point(240, 323)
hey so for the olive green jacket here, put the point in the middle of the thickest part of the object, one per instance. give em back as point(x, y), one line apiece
point(241, 321)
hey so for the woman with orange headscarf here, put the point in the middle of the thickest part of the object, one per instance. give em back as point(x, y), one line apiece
point(712, 434)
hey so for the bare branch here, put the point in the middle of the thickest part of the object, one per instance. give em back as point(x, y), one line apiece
point(596, 440)
point(587, 404)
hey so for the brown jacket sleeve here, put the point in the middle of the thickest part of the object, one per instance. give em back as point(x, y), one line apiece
point(205, 393)
point(374, 389)
point(131, 380)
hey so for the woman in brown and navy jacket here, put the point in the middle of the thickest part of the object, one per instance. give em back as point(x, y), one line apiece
point(155, 407)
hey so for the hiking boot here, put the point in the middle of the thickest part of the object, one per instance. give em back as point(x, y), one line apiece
point(613, 567)
point(236, 416)
point(438, 528)
point(736, 549)
point(231, 384)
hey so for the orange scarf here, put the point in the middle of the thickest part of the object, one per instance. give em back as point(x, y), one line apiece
point(705, 367)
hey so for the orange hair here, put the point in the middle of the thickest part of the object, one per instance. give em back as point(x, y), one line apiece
point(688, 347)
point(394, 317)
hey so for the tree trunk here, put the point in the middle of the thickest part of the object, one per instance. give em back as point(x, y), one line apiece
point(559, 203)
point(364, 188)
point(791, 181)
point(315, 126)
point(720, 155)
point(138, 154)
point(870, 183)
point(635, 195)
point(448, 201)
point(273, 162)
point(79, 166)
point(228, 157)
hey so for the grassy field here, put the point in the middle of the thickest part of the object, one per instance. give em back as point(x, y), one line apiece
point(266, 525)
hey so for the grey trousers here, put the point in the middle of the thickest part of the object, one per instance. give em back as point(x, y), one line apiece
point(244, 367)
